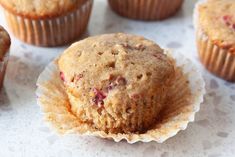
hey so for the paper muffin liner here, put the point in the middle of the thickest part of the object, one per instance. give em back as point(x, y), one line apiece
point(110, 121)
point(3, 66)
point(145, 10)
point(185, 97)
point(50, 31)
point(217, 60)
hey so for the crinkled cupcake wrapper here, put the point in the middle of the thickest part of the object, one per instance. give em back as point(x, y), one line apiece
point(50, 31)
point(3, 66)
point(145, 10)
point(217, 60)
point(133, 119)
point(186, 95)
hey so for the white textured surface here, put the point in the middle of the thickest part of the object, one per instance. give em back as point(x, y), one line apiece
point(23, 132)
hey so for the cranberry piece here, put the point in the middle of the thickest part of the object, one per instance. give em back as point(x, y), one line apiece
point(227, 17)
point(227, 20)
point(99, 97)
point(62, 76)
point(99, 93)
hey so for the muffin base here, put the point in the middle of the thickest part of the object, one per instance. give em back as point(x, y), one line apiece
point(50, 31)
point(179, 110)
point(145, 10)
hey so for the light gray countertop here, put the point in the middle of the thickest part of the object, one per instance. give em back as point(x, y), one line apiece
point(23, 133)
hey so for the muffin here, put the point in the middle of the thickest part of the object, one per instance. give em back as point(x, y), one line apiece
point(116, 82)
point(47, 23)
point(5, 43)
point(215, 32)
point(146, 9)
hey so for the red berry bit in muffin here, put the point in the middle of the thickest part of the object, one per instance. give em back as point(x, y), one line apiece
point(228, 21)
point(99, 97)
point(62, 76)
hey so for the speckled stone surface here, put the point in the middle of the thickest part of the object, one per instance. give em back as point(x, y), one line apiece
point(24, 134)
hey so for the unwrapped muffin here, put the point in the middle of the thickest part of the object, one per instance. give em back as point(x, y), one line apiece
point(47, 22)
point(5, 43)
point(116, 82)
point(215, 30)
point(146, 9)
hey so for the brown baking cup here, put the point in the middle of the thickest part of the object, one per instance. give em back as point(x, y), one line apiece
point(50, 31)
point(146, 10)
point(184, 99)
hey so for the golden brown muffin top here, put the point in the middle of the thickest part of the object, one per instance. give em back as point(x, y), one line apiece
point(41, 8)
point(5, 42)
point(217, 20)
point(129, 63)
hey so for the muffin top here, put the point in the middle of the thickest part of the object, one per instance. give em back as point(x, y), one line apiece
point(41, 8)
point(217, 20)
point(5, 42)
point(127, 63)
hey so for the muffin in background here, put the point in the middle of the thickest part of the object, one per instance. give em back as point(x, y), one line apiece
point(146, 9)
point(215, 35)
point(116, 82)
point(46, 22)
point(5, 43)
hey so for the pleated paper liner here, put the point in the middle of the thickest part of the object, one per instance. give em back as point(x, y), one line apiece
point(217, 60)
point(184, 98)
point(146, 10)
point(50, 31)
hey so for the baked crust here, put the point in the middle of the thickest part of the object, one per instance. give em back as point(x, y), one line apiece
point(40, 9)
